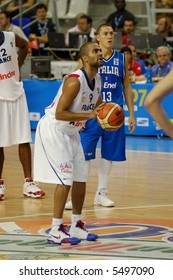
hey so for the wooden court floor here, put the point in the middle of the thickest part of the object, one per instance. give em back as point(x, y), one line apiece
point(140, 226)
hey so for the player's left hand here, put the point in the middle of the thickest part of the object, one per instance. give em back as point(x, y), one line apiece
point(99, 107)
point(132, 124)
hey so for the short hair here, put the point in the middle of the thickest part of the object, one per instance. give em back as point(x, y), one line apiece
point(115, 1)
point(84, 49)
point(85, 16)
point(126, 49)
point(130, 19)
point(163, 48)
point(101, 26)
point(41, 6)
point(7, 14)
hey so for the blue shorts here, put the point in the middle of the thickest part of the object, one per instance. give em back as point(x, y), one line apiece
point(112, 142)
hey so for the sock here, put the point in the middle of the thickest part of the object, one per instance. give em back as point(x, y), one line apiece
point(87, 167)
point(103, 174)
point(56, 222)
point(75, 218)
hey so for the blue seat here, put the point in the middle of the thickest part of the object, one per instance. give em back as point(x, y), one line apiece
point(25, 21)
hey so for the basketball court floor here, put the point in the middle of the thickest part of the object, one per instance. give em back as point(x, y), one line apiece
point(140, 226)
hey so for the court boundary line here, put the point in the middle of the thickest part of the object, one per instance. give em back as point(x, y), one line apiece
point(91, 210)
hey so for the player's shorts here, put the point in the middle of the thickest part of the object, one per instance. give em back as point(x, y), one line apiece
point(112, 142)
point(58, 157)
point(14, 122)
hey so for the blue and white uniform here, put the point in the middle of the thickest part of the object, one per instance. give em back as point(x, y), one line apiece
point(112, 142)
point(58, 156)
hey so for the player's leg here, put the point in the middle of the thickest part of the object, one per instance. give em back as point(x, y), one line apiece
point(69, 205)
point(58, 233)
point(30, 189)
point(89, 139)
point(2, 186)
point(20, 112)
point(60, 198)
point(77, 228)
point(101, 197)
point(25, 158)
point(112, 149)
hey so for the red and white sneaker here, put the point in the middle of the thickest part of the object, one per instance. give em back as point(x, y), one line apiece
point(78, 230)
point(2, 190)
point(59, 235)
point(30, 189)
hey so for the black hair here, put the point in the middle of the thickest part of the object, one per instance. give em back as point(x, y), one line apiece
point(7, 14)
point(126, 49)
point(87, 17)
point(41, 6)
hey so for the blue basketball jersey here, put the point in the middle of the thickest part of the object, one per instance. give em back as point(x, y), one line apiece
point(112, 73)
point(112, 142)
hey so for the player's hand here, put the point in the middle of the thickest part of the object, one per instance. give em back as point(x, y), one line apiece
point(98, 108)
point(94, 113)
point(83, 127)
point(132, 124)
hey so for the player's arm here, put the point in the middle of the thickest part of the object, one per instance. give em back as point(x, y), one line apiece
point(28, 4)
point(128, 95)
point(70, 90)
point(23, 49)
point(153, 103)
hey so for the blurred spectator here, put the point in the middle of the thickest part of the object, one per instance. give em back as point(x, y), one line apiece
point(83, 24)
point(39, 30)
point(6, 25)
point(134, 67)
point(128, 28)
point(117, 18)
point(135, 56)
point(164, 27)
point(14, 7)
point(164, 65)
point(164, 4)
point(2, 2)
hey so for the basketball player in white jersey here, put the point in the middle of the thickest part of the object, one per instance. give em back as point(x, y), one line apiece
point(14, 117)
point(59, 157)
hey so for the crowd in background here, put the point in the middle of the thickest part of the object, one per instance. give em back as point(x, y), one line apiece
point(121, 20)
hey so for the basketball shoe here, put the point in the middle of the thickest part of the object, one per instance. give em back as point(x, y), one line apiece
point(30, 189)
point(59, 235)
point(101, 199)
point(78, 230)
point(2, 190)
point(68, 205)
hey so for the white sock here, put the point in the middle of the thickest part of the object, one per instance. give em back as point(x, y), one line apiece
point(75, 218)
point(56, 222)
point(87, 167)
point(103, 173)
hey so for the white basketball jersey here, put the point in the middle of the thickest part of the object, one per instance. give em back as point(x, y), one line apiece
point(84, 102)
point(10, 87)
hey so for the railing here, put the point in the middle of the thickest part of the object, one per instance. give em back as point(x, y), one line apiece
point(21, 13)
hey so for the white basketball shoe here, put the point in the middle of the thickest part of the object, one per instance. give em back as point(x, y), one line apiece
point(101, 199)
point(31, 190)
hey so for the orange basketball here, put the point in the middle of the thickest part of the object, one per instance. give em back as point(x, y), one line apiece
point(111, 116)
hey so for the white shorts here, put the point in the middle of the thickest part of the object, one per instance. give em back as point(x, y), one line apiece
point(14, 122)
point(58, 157)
